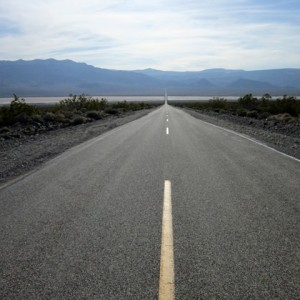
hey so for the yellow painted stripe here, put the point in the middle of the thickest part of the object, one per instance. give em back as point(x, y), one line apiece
point(167, 277)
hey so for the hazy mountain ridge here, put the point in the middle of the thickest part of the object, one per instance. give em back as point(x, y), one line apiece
point(224, 77)
point(57, 78)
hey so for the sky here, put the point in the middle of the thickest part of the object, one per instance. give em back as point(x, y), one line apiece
point(175, 35)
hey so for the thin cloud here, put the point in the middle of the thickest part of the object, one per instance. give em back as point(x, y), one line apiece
point(163, 34)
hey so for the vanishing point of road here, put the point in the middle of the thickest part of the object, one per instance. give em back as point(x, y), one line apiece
point(165, 207)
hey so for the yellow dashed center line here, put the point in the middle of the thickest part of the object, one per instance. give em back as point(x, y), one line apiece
point(167, 276)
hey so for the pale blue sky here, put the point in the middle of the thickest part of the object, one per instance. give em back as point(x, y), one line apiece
point(162, 34)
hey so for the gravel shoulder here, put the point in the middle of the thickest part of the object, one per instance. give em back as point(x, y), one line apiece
point(22, 153)
point(284, 137)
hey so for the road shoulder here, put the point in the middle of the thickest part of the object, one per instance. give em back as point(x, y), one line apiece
point(287, 144)
point(18, 156)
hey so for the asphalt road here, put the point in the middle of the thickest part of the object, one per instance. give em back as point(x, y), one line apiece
point(88, 224)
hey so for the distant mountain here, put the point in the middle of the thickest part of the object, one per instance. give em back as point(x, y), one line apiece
point(237, 82)
point(250, 85)
point(202, 83)
point(56, 78)
point(59, 78)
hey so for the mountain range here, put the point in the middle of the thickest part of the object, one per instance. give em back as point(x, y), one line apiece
point(62, 77)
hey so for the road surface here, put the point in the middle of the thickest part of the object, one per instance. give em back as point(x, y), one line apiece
point(88, 224)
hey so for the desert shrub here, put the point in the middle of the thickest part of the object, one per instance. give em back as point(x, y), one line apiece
point(60, 118)
point(82, 103)
point(248, 102)
point(18, 106)
point(263, 115)
point(37, 118)
point(131, 106)
point(16, 112)
point(93, 114)
point(218, 103)
point(49, 117)
point(223, 111)
point(68, 114)
point(248, 105)
point(2, 123)
point(78, 120)
point(241, 112)
point(288, 104)
point(96, 104)
point(264, 103)
point(285, 117)
point(252, 114)
point(111, 111)
point(6, 117)
point(4, 129)
point(23, 118)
